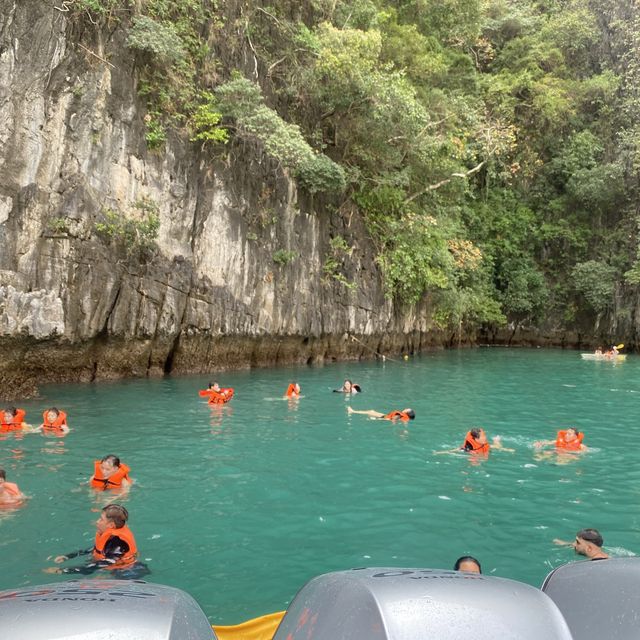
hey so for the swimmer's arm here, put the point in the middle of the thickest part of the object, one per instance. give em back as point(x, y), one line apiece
point(543, 443)
point(369, 412)
point(497, 444)
point(72, 554)
point(27, 428)
point(458, 450)
point(563, 543)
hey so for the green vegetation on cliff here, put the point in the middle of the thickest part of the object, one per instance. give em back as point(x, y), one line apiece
point(491, 146)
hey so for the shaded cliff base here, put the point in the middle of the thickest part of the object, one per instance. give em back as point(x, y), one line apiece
point(27, 363)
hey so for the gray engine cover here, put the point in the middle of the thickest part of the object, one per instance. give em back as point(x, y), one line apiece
point(417, 604)
point(600, 599)
point(101, 610)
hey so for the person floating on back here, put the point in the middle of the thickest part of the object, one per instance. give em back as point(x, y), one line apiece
point(468, 564)
point(10, 494)
point(110, 473)
point(54, 421)
point(293, 390)
point(215, 394)
point(569, 439)
point(114, 550)
point(12, 419)
point(405, 415)
point(588, 543)
point(477, 443)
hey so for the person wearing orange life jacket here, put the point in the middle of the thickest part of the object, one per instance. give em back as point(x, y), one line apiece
point(54, 421)
point(10, 494)
point(293, 390)
point(110, 473)
point(405, 415)
point(569, 439)
point(12, 419)
point(114, 550)
point(215, 394)
point(477, 443)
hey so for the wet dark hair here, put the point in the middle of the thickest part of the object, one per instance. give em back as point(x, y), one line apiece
point(114, 460)
point(3, 474)
point(11, 410)
point(117, 514)
point(459, 561)
point(475, 433)
point(591, 535)
point(411, 413)
point(55, 410)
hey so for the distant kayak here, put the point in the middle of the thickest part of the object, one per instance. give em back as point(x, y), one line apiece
point(597, 356)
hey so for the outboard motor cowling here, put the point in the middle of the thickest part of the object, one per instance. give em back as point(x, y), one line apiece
point(598, 598)
point(101, 610)
point(418, 604)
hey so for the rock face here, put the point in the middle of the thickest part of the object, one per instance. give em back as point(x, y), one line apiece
point(235, 277)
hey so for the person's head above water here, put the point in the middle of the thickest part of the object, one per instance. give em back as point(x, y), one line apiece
point(53, 413)
point(109, 465)
point(214, 385)
point(347, 385)
point(478, 434)
point(589, 543)
point(113, 516)
point(468, 564)
point(410, 413)
point(570, 434)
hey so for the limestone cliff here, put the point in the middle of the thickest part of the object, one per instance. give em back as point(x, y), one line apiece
point(209, 293)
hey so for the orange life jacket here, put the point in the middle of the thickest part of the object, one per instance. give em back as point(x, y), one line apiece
point(15, 423)
point(11, 488)
point(473, 446)
point(400, 415)
point(57, 424)
point(291, 391)
point(219, 397)
point(114, 481)
point(574, 445)
point(125, 534)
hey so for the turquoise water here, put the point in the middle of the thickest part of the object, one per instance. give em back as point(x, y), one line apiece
point(240, 505)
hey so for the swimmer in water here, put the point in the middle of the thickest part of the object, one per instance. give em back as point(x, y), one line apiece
point(468, 564)
point(54, 422)
point(405, 415)
point(293, 391)
point(588, 543)
point(12, 419)
point(348, 387)
point(110, 473)
point(216, 394)
point(10, 494)
point(476, 442)
point(115, 548)
point(569, 439)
